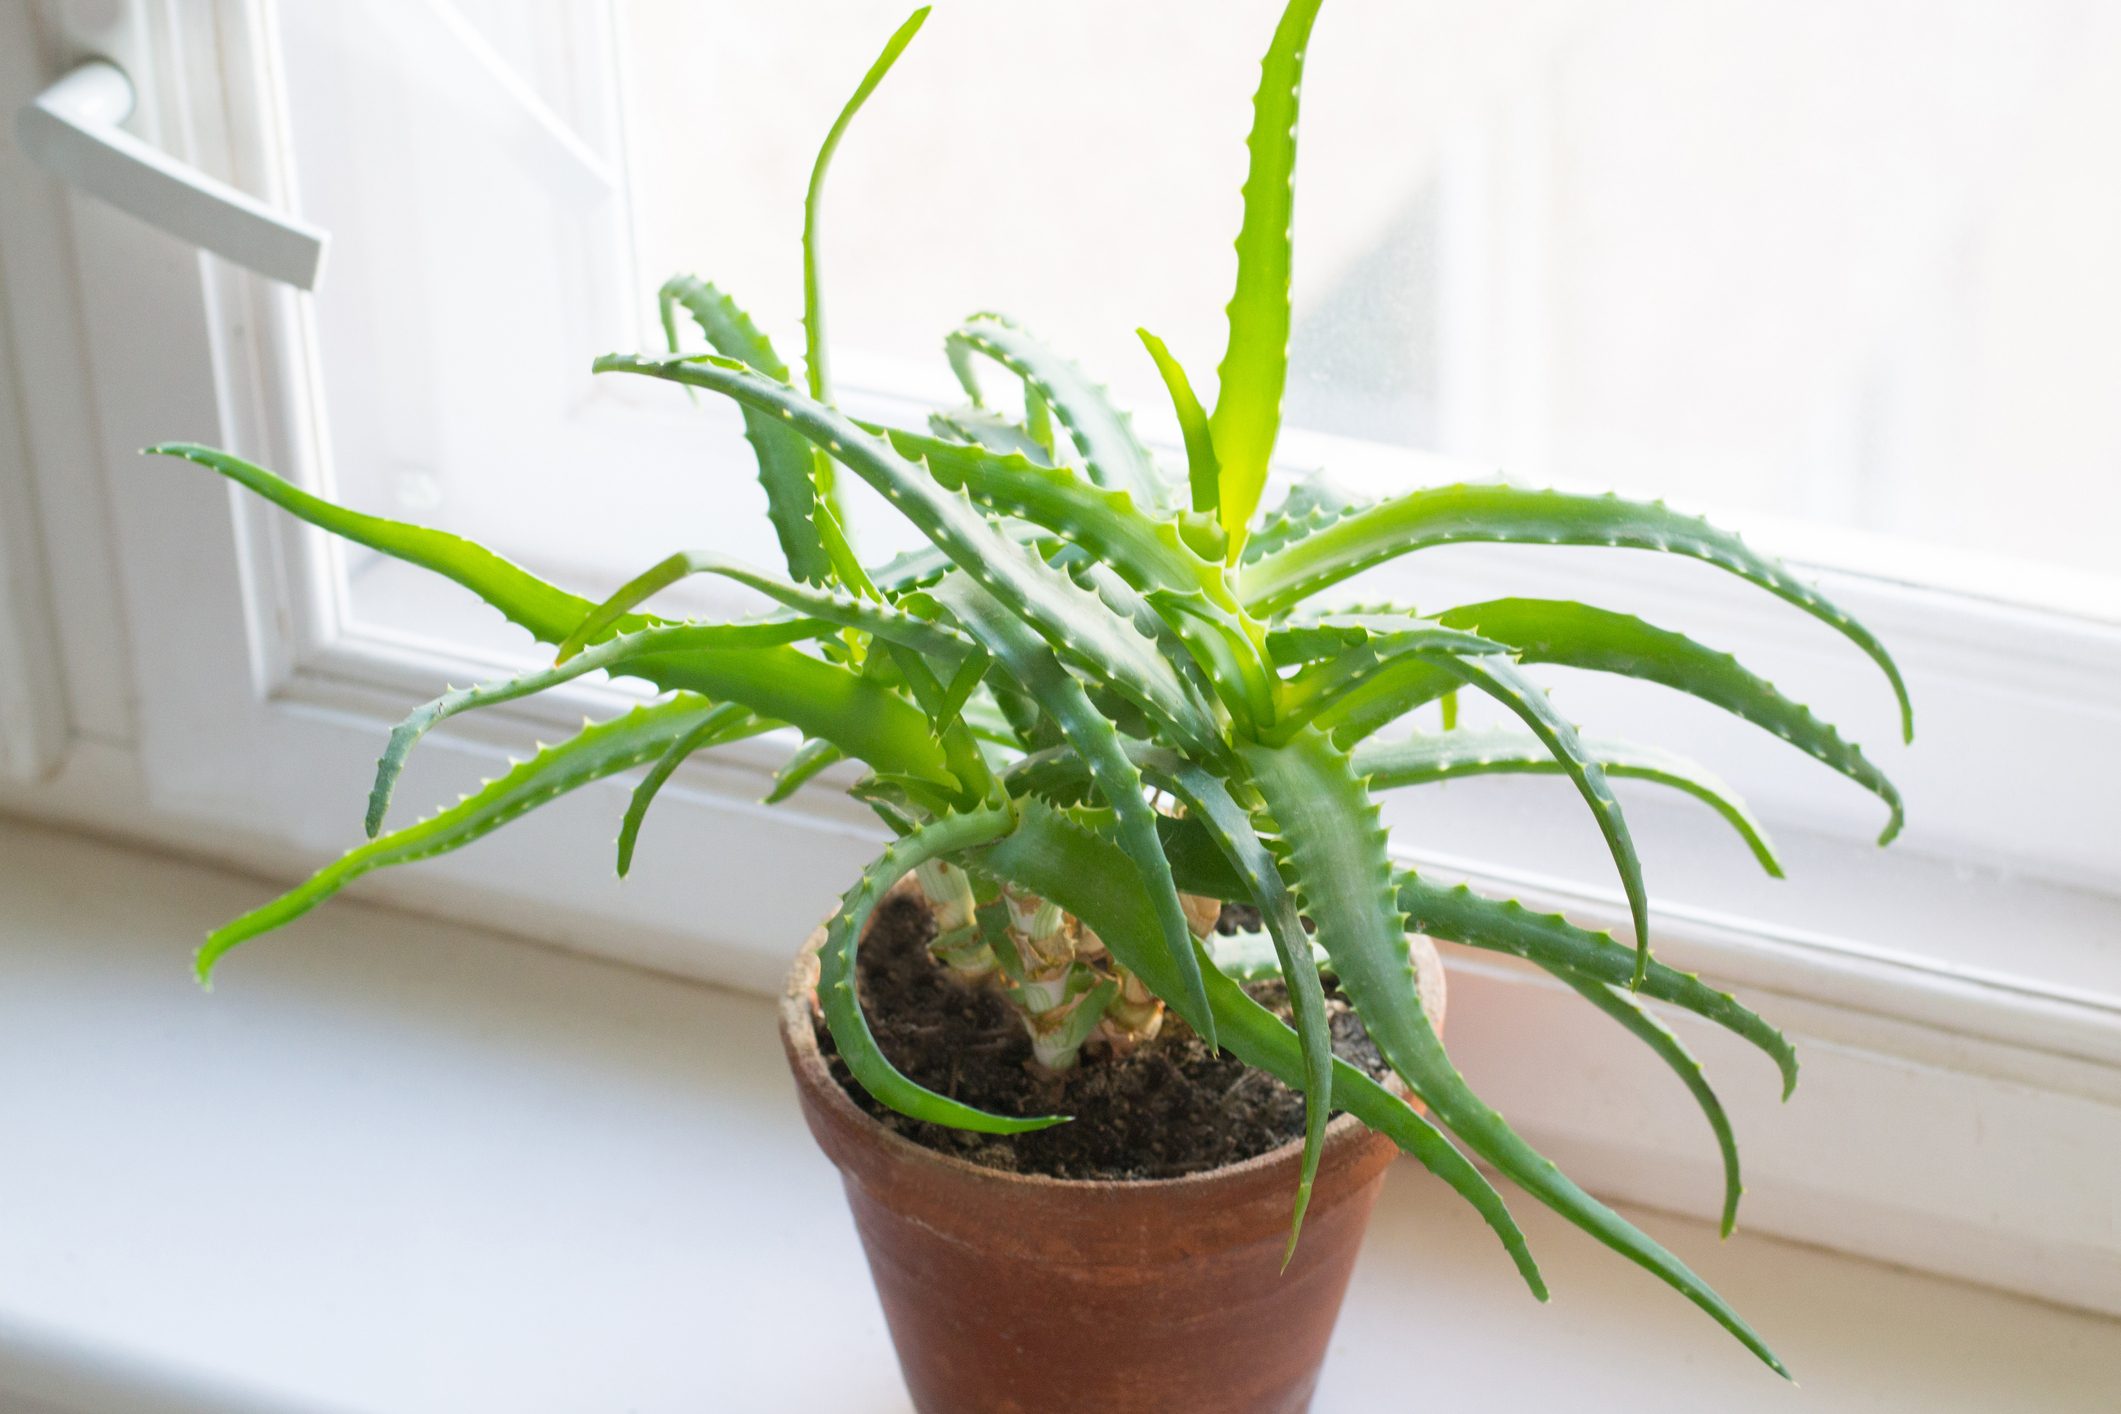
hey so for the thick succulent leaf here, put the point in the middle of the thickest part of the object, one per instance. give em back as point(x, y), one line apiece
point(979, 427)
point(873, 724)
point(1330, 636)
point(883, 621)
point(1255, 365)
point(725, 723)
point(1311, 505)
point(1621, 1005)
point(1581, 636)
point(1064, 614)
point(1333, 848)
point(547, 611)
point(1513, 515)
point(814, 349)
point(784, 459)
point(1090, 877)
point(1144, 548)
point(1112, 454)
point(1420, 760)
point(591, 754)
point(836, 987)
point(1550, 941)
point(810, 758)
point(611, 654)
point(1040, 674)
point(1359, 655)
point(1207, 799)
point(1501, 680)
point(1203, 472)
point(864, 719)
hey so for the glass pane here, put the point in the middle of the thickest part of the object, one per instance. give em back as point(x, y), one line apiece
point(1846, 268)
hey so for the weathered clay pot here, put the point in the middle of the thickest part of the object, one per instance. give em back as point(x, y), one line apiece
point(1016, 1294)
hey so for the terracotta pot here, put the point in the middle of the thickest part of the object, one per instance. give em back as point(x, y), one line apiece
point(1018, 1294)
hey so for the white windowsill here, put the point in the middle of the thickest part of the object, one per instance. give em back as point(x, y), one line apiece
point(395, 1164)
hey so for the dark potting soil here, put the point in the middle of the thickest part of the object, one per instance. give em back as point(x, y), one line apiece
point(1169, 1107)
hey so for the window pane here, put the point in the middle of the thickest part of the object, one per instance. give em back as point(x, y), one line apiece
point(1835, 266)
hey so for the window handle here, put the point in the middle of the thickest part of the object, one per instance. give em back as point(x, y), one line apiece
point(71, 130)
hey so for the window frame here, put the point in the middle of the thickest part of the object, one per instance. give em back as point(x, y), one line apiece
point(254, 714)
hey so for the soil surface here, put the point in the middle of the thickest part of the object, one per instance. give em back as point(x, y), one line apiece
point(1169, 1107)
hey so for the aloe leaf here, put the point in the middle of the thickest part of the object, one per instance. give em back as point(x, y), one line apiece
point(1203, 472)
point(1209, 800)
point(1514, 515)
point(595, 752)
point(1255, 365)
point(1258, 957)
point(725, 723)
point(1501, 680)
point(1093, 879)
point(810, 758)
point(881, 620)
point(1553, 943)
point(866, 720)
point(1619, 1004)
point(1349, 655)
point(978, 427)
point(1112, 454)
point(873, 724)
point(784, 459)
point(1311, 505)
point(1581, 636)
point(1039, 673)
point(1421, 760)
point(1333, 848)
point(547, 611)
point(1062, 612)
point(836, 987)
point(814, 348)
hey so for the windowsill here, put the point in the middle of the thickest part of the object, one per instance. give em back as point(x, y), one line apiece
point(398, 1164)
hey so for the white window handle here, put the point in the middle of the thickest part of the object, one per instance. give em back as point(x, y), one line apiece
point(71, 130)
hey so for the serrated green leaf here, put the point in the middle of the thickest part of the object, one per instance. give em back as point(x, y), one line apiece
point(1580, 636)
point(1255, 364)
point(1441, 515)
point(595, 752)
point(1420, 760)
point(725, 723)
point(1203, 472)
point(1112, 455)
point(836, 989)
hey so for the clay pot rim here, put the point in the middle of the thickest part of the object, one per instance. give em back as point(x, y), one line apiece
point(798, 1011)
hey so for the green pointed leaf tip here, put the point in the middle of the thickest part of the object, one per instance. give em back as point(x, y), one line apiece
point(1255, 366)
point(1203, 471)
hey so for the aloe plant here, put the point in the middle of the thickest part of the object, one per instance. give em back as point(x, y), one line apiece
point(1102, 702)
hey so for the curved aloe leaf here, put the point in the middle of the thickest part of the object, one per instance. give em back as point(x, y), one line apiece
point(1581, 636)
point(1310, 506)
point(1334, 849)
point(1621, 1005)
point(887, 728)
point(978, 427)
point(1551, 942)
point(865, 719)
point(810, 758)
point(1446, 756)
point(1255, 364)
point(1513, 515)
point(1040, 674)
point(725, 723)
point(1104, 435)
point(1203, 472)
point(591, 754)
point(1062, 612)
point(1501, 680)
point(814, 350)
point(784, 459)
point(857, 1045)
point(1090, 877)
point(882, 621)
point(1209, 801)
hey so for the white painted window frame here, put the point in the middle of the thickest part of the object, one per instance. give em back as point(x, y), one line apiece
point(206, 693)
